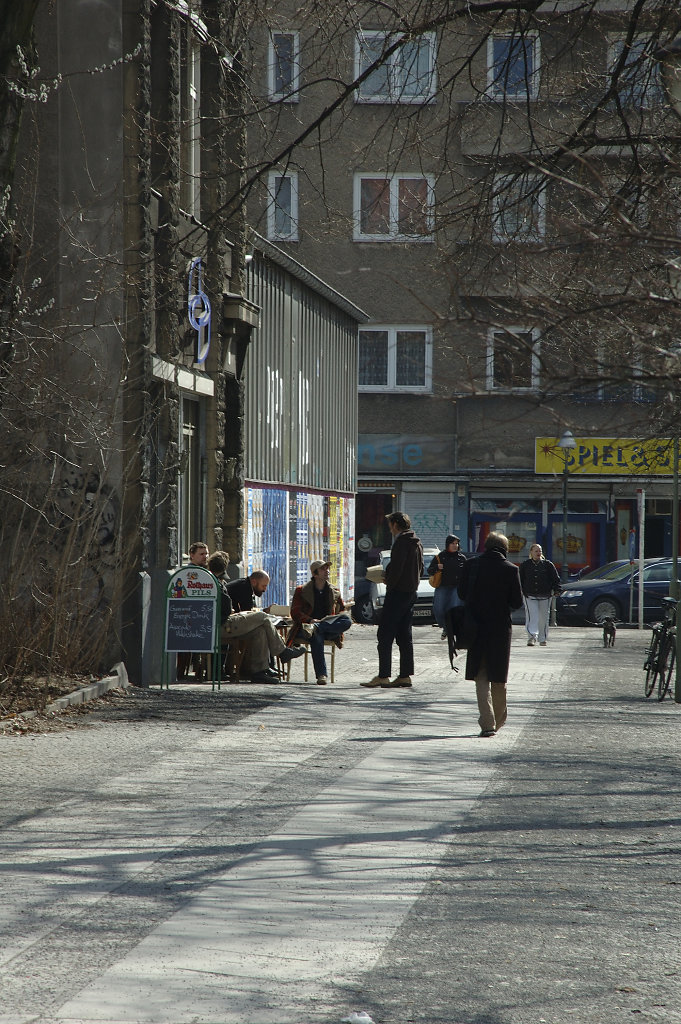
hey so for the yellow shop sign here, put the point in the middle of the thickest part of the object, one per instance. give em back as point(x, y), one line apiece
point(598, 456)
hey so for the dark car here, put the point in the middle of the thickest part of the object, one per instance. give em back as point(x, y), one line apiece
point(610, 596)
point(601, 570)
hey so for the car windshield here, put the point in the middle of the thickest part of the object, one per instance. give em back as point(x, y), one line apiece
point(618, 572)
point(602, 571)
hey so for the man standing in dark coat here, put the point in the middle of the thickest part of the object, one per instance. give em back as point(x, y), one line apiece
point(402, 576)
point(490, 586)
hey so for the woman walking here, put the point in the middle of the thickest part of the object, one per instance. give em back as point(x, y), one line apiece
point(451, 562)
point(540, 581)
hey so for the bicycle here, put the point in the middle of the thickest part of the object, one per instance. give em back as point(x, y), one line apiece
point(661, 655)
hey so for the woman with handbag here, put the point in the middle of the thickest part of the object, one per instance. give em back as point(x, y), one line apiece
point(449, 565)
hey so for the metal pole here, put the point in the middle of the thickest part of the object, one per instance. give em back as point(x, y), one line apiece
point(565, 571)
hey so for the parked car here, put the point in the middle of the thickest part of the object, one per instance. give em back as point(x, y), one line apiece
point(599, 571)
point(608, 596)
point(363, 609)
point(423, 609)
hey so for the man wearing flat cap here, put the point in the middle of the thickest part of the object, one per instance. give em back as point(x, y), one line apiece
point(318, 614)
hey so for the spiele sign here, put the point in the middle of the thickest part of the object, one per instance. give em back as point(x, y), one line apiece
point(599, 456)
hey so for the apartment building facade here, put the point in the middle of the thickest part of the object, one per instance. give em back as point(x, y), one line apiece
point(477, 186)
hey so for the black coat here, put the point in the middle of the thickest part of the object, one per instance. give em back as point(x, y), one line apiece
point(539, 579)
point(241, 593)
point(452, 566)
point(404, 569)
point(492, 595)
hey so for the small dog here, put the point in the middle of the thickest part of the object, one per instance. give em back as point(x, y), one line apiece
point(609, 632)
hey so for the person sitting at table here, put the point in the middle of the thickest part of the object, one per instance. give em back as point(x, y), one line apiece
point(264, 642)
point(318, 614)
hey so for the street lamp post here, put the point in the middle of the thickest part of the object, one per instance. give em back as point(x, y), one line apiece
point(567, 443)
point(669, 58)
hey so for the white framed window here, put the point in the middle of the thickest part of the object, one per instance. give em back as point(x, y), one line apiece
point(283, 67)
point(513, 359)
point(406, 76)
point(639, 85)
point(393, 207)
point(518, 208)
point(513, 65)
point(190, 128)
point(282, 206)
point(621, 383)
point(396, 358)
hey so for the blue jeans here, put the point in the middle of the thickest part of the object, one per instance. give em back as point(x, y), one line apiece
point(444, 599)
point(395, 625)
point(327, 629)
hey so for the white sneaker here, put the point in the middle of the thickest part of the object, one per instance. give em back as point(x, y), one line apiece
point(532, 641)
point(322, 680)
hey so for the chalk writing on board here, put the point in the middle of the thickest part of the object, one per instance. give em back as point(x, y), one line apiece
point(190, 624)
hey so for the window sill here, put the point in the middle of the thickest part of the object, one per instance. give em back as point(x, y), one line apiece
point(410, 239)
point(385, 389)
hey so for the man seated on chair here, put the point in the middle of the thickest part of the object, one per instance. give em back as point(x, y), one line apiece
point(244, 591)
point(263, 640)
point(318, 614)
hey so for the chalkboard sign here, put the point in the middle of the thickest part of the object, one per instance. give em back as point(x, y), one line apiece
point(192, 606)
point(191, 625)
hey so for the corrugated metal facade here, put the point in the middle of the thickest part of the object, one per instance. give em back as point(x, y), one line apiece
point(301, 385)
point(300, 377)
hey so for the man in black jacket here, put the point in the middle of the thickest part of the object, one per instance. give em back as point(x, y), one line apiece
point(540, 582)
point(244, 591)
point(402, 576)
point(240, 618)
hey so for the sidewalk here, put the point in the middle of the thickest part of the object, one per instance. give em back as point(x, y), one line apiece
point(347, 848)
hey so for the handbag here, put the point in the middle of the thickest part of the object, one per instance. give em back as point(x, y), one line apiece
point(436, 579)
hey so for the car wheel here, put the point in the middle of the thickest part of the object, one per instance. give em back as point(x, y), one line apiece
point(604, 608)
point(363, 611)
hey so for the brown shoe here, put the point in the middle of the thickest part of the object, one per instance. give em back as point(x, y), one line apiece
point(400, 681)
point(377, 681)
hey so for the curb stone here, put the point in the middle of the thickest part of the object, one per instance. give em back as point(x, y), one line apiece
point(117, 679)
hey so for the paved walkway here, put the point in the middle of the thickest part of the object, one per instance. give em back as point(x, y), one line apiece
point(342, 848)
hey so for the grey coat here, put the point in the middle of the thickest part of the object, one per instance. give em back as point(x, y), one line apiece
point(494, 593)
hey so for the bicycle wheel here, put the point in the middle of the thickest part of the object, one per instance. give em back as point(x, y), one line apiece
point(664, 680)
point(651, 664)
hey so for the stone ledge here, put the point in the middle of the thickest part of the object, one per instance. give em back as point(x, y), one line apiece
point(118, 678)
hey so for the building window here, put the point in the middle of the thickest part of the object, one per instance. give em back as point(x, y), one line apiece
point(393, 207)
point(518, 208)
point(284, 67)
point(512, 359)
point(638, 83)
point(190, 129)
point(395, 359)
point(513, 66)
point(282, 207)
point(406, 76)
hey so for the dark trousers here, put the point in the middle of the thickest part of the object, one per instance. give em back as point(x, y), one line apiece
point(395, 625)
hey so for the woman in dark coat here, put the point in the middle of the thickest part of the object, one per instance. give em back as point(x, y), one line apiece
point(490, 586)
point(451, 562)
